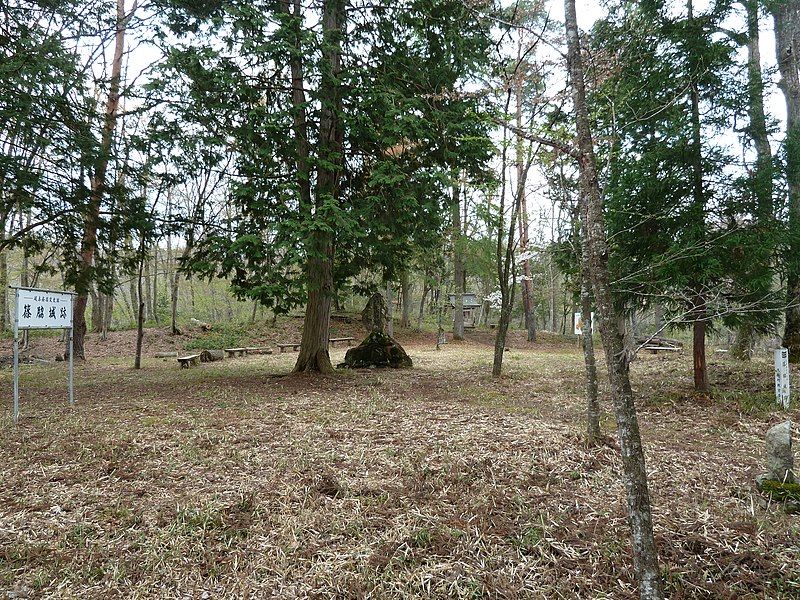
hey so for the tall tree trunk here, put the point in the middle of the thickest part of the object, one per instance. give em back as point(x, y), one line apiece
point(140, 316)
point(147, 290)
point(108, 312)
point(505, 259)
point(4, 313)
point(314, 354)
point(522, 176)
point(405, 293)
point(592, 403)
point(154, 310)
point(633, 462)
point(458, 263)
point(422, 302)
point(97, 309)
point(787, 49)
point(698, 312)
point(98, 185)
point(744, 343)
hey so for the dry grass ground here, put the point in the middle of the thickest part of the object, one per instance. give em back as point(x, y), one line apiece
point(232, 480)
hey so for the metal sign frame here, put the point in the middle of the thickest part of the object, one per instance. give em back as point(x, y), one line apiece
point(17, 329)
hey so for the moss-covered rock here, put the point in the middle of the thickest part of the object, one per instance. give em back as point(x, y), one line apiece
point(377, 350)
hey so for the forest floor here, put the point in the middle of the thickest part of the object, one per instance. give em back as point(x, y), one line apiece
point(236, 480)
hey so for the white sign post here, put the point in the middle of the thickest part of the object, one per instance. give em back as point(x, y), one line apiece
point(41, 309)
point(782, 388)
point(579, 323)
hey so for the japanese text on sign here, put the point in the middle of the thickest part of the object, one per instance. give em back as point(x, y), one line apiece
point(43, 310)
point(782, 388)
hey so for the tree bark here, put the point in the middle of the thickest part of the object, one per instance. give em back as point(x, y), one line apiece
point(140, 316)
point(389, 310)
point(505, 260)
point(522, 176)
point(458, 264)
point(422, 303)
point(314, 354)
point(405, 294)
point(699, 314)
point(154, 297)
point(593, 433)
point(146, 289)
point(4, 313)
point(633, 462)
point(98, 186)
point(787, 49)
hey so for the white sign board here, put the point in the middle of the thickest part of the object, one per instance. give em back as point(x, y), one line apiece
point(39, 309)
point(782, 388)
point(579, 323)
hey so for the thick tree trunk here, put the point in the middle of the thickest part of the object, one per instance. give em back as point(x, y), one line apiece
point(633, 462)
point(405, 294)
point(787, 49)
point(314, 354)
point(98, 185)
point(458, 264)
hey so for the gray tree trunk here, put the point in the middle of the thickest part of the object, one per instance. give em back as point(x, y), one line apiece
point(422, 303)
point(458, 264)
point(4, 313)
point(592, 403)
point(787, 49)
point(633, 462)
point(405, 294)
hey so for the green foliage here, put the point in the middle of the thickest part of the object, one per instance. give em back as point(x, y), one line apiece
point(685, 242)
point(781, 491)
point(233, 335)
point(406, 128)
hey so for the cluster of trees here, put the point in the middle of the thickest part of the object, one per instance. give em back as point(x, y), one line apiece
point(303, 152)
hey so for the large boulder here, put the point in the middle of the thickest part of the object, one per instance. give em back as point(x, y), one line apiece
point(378, 350)
point(375, 315)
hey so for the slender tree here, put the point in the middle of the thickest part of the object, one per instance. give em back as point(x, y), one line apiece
point(634, 473)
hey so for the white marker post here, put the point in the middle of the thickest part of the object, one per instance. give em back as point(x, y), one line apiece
point(782, 387)
point(579, 323)
point(41, 309)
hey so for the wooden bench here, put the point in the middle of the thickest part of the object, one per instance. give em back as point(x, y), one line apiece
point(189, 360)
point(231, 352)
point(257, 350)
point(282, 347)
point(349, 340)
point(655, 349)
